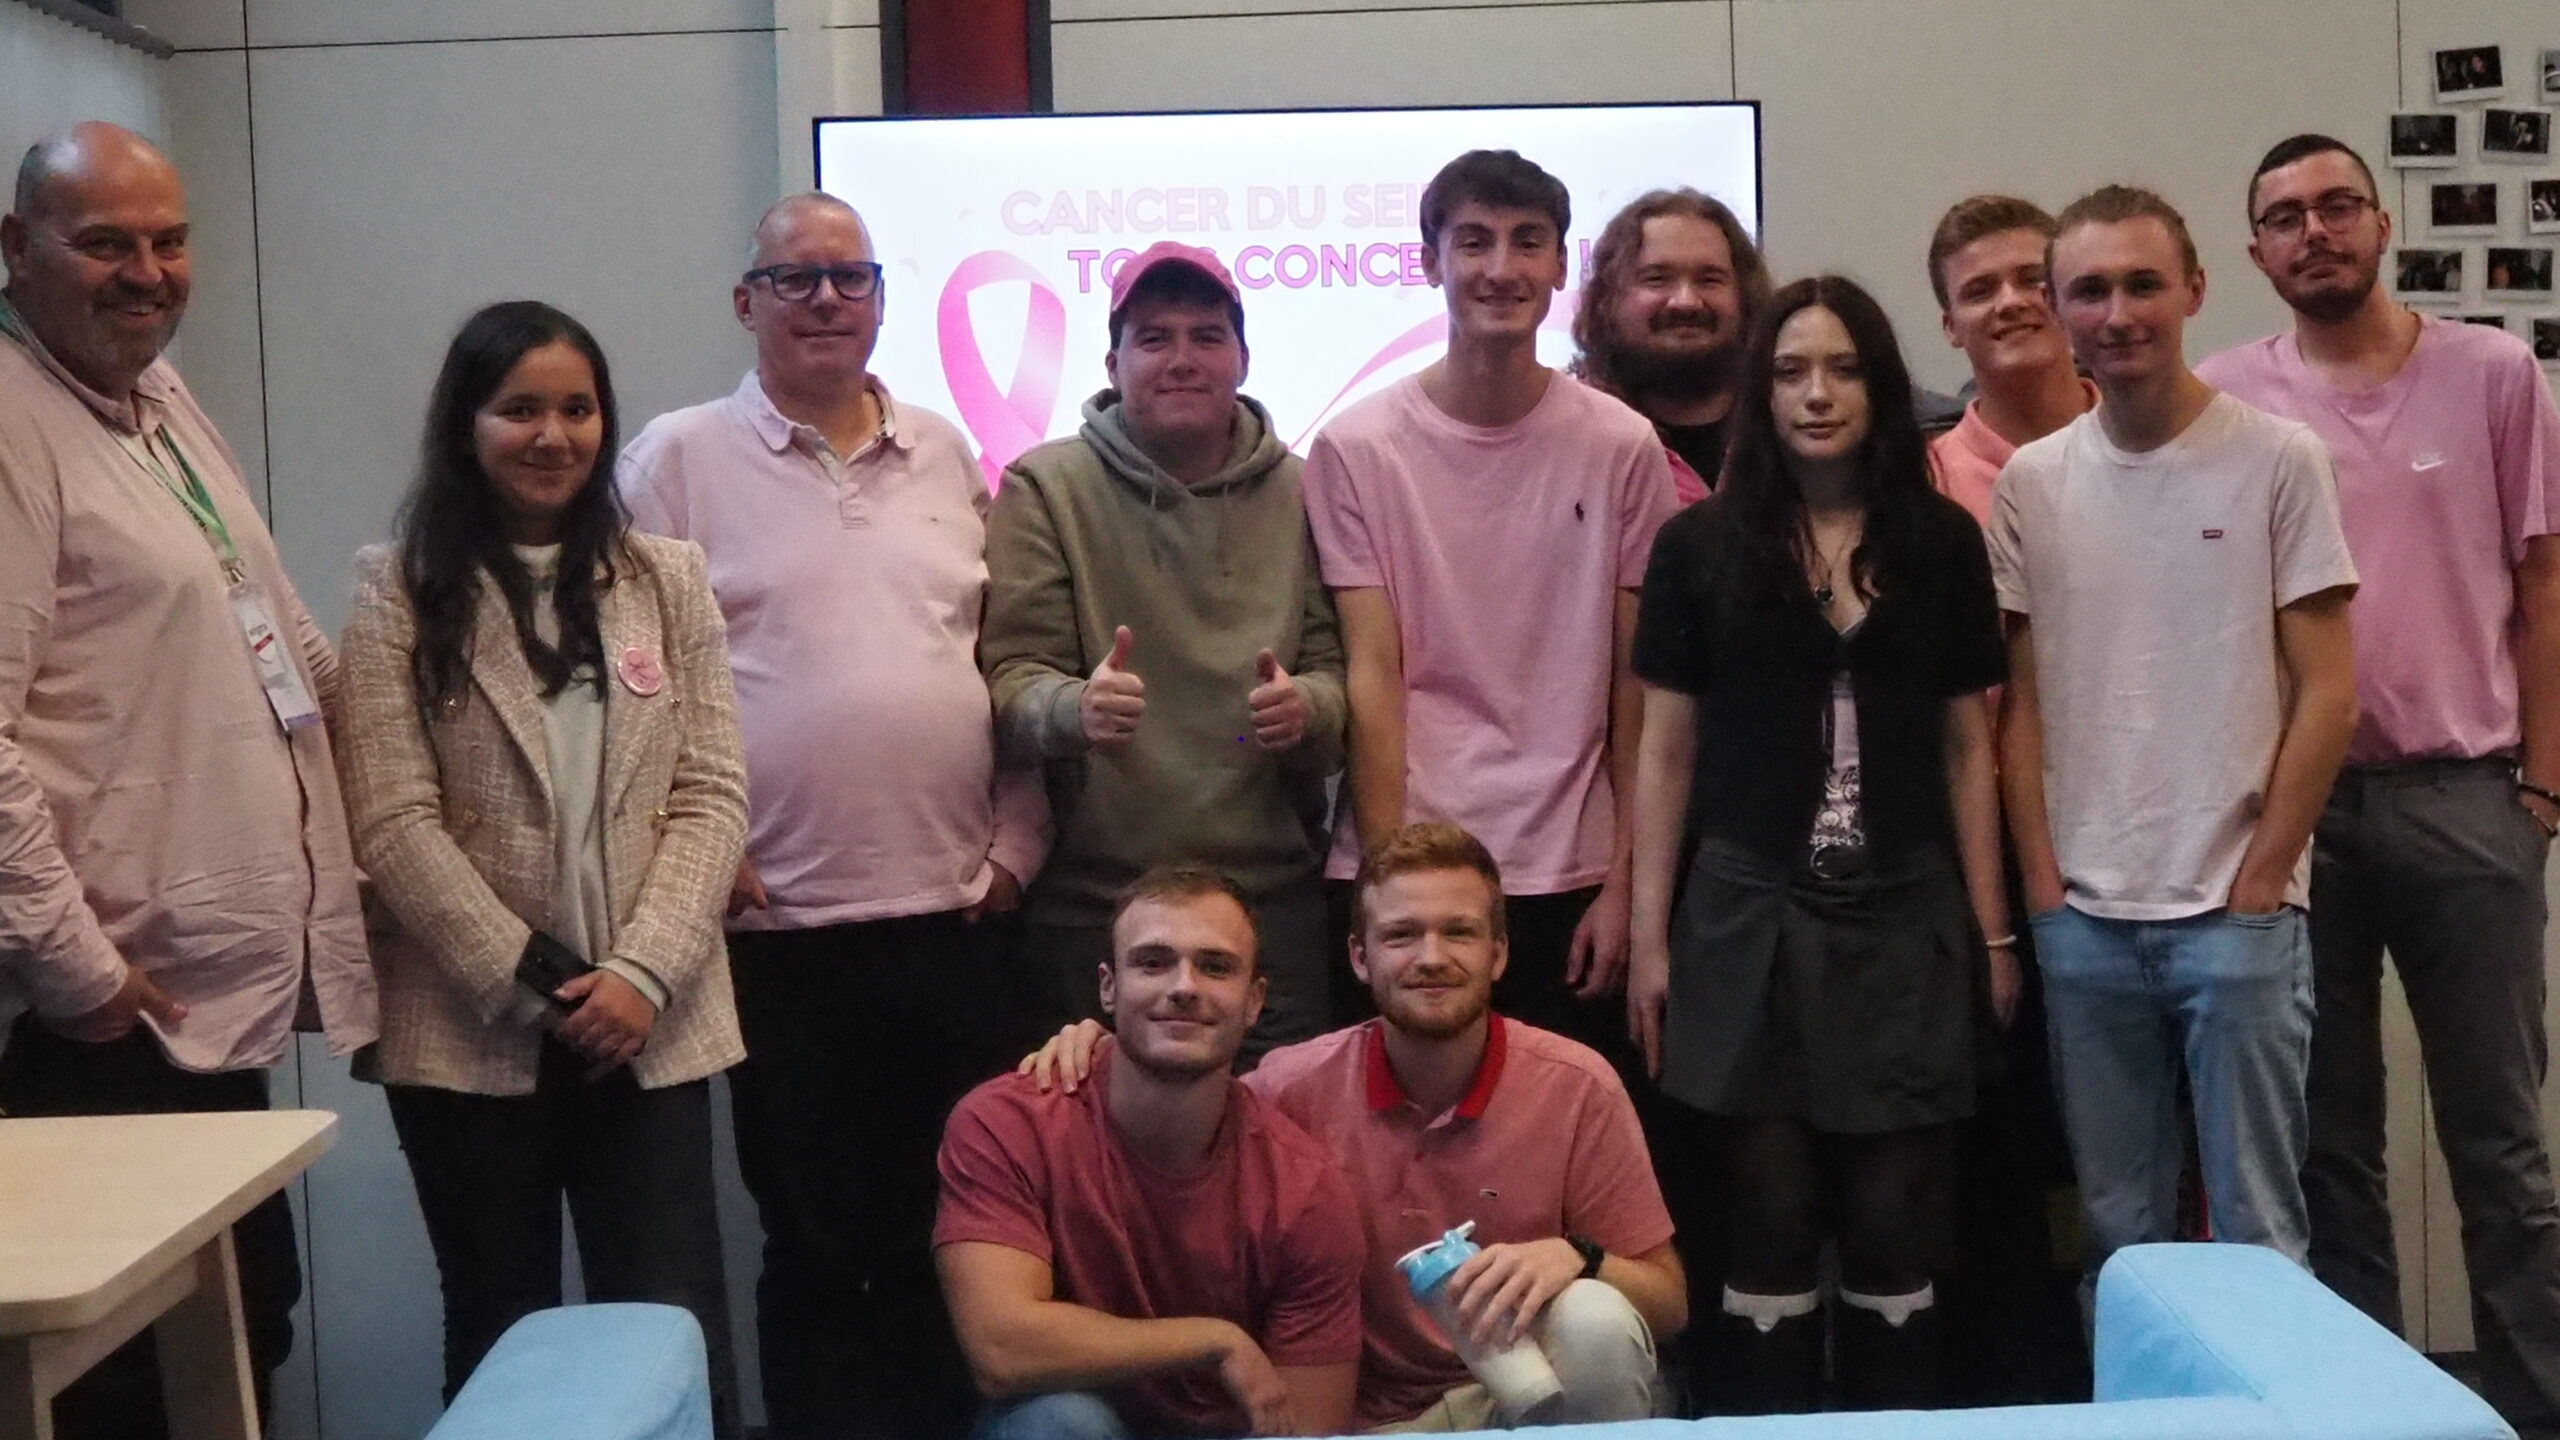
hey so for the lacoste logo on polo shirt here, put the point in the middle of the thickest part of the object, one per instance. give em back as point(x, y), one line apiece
point(2213, 534)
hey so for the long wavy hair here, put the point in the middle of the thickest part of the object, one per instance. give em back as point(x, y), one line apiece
point(452, 528)
point(1613, 268)
point(1765, 547)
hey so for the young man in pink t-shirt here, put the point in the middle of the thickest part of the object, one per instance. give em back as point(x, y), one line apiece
point(1443, 1111)
point(1987, 265)
point(1160, 1252)
point(1484, 526)
point(2434, 843)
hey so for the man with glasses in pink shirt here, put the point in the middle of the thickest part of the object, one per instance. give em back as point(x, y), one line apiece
point(846, 538)
point(2437, 835)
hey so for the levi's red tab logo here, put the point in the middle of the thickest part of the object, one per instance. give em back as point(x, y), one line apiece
point(2213, 534)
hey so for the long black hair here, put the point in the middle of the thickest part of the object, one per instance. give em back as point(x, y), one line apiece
point(452, 528)
point(1761, 555)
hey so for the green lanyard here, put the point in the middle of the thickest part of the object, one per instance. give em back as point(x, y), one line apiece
point(197, 501)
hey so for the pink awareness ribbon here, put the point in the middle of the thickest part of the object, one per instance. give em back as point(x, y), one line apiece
point(1009, 421)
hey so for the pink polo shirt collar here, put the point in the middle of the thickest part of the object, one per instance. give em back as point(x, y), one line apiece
point(1386, 1093)
point(779, 431)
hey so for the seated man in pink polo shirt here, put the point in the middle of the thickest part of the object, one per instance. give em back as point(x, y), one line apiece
point(1441, 1111)
point(1161, 1252)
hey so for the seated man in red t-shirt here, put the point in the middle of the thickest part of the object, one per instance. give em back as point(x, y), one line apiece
point(1160, 1253)
point(1442, 1111)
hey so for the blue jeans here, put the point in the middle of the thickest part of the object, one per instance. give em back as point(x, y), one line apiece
point(1066, 1415)
point(2128, 1001)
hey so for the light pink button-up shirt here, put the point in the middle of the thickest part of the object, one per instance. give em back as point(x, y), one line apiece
point(152, 810)
point(852, 587)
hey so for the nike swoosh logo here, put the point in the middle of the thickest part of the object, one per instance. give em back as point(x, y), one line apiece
point(2426, 462)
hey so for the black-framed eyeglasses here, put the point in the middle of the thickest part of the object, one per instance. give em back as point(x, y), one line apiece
point(2337, 212)
point(795, 283)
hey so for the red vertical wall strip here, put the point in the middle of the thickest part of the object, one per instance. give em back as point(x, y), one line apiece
point(968, 57)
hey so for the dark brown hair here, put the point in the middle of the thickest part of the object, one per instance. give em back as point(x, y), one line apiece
point(1500, 178)
point(1169, 884)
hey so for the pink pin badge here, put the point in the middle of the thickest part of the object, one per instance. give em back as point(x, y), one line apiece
point(640, 672)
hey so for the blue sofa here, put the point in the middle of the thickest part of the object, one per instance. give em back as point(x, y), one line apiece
point(2195, 1342)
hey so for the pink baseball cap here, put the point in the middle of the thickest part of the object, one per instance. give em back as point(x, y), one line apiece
point(1170, 252)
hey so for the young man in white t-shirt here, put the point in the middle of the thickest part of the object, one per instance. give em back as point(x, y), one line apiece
point(1484, 526)
point(2180, 696)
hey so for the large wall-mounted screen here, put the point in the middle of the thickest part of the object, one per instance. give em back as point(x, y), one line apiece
point(999, 235)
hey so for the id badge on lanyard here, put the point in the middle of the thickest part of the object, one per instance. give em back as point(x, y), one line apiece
point(270, 650)
point(272, 653)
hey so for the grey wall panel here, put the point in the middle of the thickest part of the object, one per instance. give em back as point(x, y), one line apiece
point(1494, 54)
point(52, 73)
point(338, 22)
point(402, 187)
point(192, 24)
point(218, 350)
point(1881, 113)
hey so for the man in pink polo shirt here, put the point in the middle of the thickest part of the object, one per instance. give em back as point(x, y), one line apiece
point(1484, 525)
point(846, 535)
point(1160, 1252)
point(1442, 1111)
point(2436, 837)
point(1987, 265)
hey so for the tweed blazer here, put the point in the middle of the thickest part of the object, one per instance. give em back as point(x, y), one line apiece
point(453, 821)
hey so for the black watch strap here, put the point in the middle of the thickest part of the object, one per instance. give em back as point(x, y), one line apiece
point(1591, 1253)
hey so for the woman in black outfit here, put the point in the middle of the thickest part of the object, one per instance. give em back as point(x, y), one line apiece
point(1816, 639)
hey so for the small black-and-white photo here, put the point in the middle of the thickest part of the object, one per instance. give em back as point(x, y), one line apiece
point(2427, 275)
point(2468, 207)
point(2542, 208)
point(2551, 74)
point(2515, 135)
point(2546, 341)
point(2425, 140)
point(2494, 322)
point(2475, 72)
point(2522, 270)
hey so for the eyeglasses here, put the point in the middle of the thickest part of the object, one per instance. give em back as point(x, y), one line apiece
point(795, 283)
point(2337, 212)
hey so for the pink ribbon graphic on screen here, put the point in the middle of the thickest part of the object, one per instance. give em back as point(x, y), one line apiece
point(1009, 421)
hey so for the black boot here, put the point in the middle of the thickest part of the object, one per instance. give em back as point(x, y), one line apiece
point(1888, 1366)
point(1776, 1371)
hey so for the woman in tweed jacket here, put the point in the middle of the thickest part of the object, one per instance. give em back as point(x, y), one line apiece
point(543, 759)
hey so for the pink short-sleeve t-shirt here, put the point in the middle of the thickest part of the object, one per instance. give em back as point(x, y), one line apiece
point(2445, 471)
point(1544, 1143)
point(1501, 551)
point(1263, 1234)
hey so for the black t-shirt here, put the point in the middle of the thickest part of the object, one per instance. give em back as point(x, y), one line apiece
point(1762, 680)
point(1701, 446)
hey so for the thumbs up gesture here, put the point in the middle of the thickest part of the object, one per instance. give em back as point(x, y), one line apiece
point(1115, 699)
point(1279, 709)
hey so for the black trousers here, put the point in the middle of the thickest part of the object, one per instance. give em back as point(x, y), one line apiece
point(635, 1168)
point(860, 1039)
point(43, 1073)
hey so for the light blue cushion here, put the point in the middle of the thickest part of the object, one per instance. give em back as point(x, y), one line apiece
point(2197, 1419)
point(2242, 1321)
point(588, 1372)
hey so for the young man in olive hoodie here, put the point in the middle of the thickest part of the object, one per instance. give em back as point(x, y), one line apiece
point(1158, 637)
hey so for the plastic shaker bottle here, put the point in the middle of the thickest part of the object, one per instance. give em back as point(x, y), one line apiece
point(1523, 1384)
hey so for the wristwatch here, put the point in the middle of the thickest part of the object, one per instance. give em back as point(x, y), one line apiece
point(1591, 1254)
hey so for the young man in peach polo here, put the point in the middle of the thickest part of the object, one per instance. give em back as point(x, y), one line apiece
point(1987, 267)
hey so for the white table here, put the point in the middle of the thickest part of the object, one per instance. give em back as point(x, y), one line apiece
point(112, 1223)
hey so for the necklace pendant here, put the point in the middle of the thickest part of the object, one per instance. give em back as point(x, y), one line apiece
point(1822, 595)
